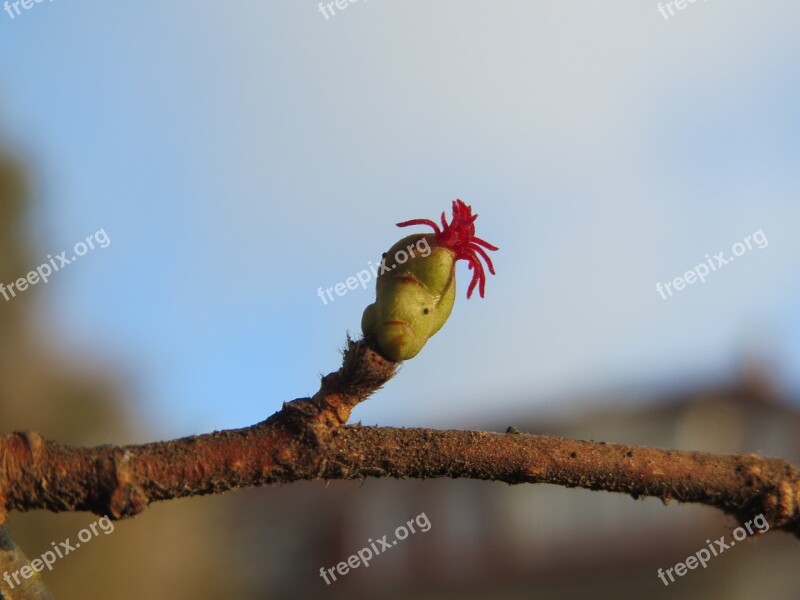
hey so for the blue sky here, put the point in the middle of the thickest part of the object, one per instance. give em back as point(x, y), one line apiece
point(240, 156)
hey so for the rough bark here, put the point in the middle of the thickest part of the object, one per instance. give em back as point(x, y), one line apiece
point(309, 439)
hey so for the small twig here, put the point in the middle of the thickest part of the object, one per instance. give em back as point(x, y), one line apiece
point(13, 559)
point(307, 439)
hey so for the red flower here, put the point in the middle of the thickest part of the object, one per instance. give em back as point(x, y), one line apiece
point(459, 236)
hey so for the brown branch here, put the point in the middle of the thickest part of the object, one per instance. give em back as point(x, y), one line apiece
point(308, 439)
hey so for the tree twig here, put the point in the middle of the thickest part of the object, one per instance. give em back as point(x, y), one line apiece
point(308, 439)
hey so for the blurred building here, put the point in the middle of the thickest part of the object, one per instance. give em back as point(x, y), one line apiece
point(491, 540)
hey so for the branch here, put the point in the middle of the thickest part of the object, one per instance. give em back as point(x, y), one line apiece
point(308, 439)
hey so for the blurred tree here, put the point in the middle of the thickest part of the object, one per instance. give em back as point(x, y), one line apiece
point(170, 552)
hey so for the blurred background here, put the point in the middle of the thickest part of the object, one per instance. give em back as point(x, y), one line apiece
point(239, 156)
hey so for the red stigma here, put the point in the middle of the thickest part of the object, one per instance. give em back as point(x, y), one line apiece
point(459, 236)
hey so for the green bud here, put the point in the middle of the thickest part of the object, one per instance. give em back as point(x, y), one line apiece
point(412, 301)
point(415, 298)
